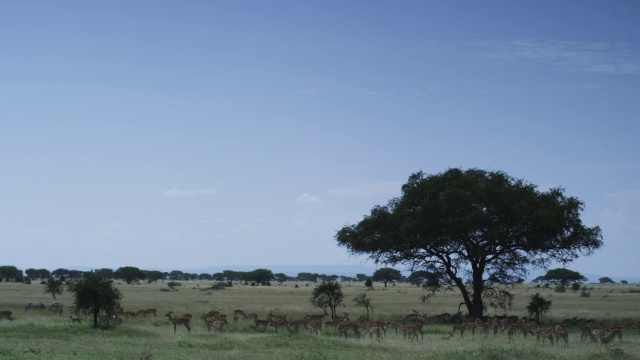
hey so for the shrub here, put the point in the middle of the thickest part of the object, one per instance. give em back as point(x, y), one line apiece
point(585, 293)
point(173, 284)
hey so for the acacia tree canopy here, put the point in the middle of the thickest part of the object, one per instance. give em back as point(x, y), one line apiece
point(387, 274)
point(95, 295)
point(473, 226)
point(564, 276)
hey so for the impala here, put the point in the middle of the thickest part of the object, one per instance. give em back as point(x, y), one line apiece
point(279, 323)
point(345, 326)
point(150, 311)
point(237, 314)
point(179, 321)
point(294, 325)
point(8, 314)
point(391, 325)
point(314, 326)
point(374, 328)
point(561, 332)
point(412, 329)
point(316, 317)
point(414, 316)
point(216, 323)
point(548, 333)
point(278, 317)
point(75, 319)
point(264, 323)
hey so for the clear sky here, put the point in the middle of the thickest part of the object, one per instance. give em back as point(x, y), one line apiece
point(187, 134)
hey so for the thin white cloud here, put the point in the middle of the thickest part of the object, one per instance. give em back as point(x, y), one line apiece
point(618, 58)
point(185, 193)
point(368, 189)
point(220, 220)
point(308, 199)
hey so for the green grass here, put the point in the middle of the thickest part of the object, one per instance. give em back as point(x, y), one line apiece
point(43, 335)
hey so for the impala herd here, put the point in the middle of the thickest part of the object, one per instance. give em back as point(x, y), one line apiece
point(411, 325)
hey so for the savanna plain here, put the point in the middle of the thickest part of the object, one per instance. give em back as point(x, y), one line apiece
point(46, 335)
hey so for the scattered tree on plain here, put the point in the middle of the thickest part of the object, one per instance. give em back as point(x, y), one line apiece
point(328, 294)
point(606, 280)
point(538, 306)
point(53, 287)
point(478, 229)
point(281, 277)
point(387, 274)
point(259, 276)
point(130, 274)
point(95, 295)
point(564, 276)
point(364, 301)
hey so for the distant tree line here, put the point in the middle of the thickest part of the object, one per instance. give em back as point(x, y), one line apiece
point(134, 275)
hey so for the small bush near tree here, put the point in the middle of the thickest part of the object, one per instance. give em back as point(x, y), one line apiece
point(538, 306)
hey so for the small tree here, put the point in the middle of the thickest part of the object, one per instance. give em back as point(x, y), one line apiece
point(95, 295)
point(328, 294)
point(281, 277)
point(387, 274)
point(363, 300)
point(368, 283)
point(606, 280)
point(53, 287)
point(538, 306)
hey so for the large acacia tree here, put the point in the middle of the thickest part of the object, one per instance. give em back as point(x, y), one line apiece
point(480, 230)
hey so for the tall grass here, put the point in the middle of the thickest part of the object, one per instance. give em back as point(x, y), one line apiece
point(43, 335)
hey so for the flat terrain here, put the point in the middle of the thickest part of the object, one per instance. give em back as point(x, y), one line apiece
point(44, 335)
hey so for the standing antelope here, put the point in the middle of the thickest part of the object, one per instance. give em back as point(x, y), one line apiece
point(8, 314)
point(75, 320)
point(179, 321)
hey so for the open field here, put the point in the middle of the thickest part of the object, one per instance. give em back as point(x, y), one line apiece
point(44, 335)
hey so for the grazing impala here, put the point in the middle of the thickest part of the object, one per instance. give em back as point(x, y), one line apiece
point(179, 321)
point(216, 323)
point(150, 311)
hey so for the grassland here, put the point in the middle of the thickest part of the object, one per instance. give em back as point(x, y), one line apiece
point(43, 335)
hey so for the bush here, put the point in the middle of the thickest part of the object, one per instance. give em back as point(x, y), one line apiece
point(173, 284)
point(575, 287)
point(559, 288)
point(585, 293)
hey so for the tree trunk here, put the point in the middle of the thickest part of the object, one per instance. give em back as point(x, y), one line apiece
point(478, 288)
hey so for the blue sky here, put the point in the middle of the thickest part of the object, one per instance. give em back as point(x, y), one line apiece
point(182, 135)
